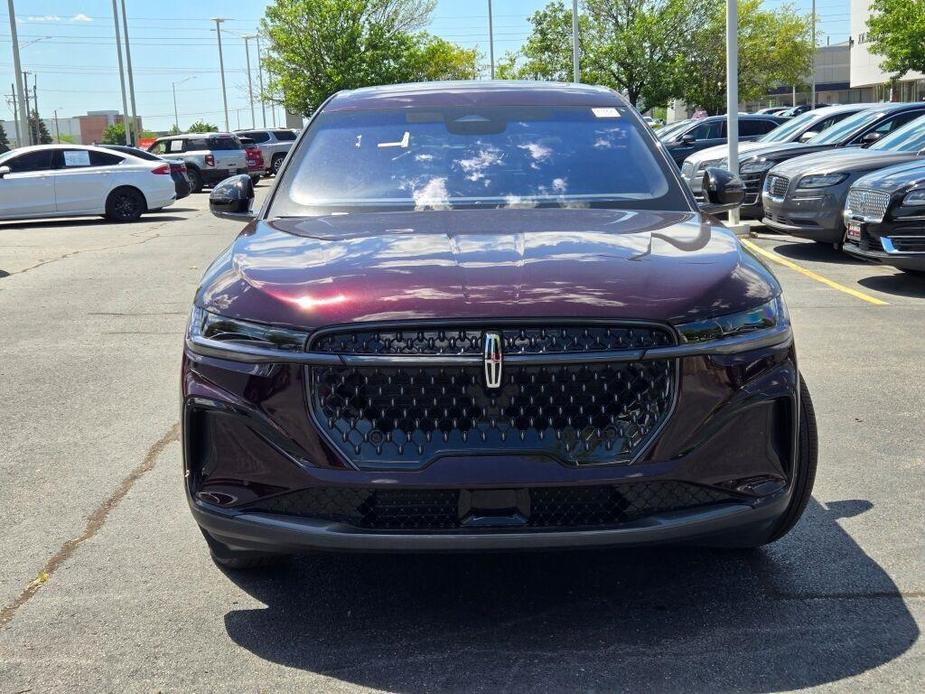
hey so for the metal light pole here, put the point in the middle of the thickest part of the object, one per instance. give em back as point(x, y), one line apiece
point(575, 70)
point(57, 130)
point(221, 64)
point(491, 41)
point(15, 114)
point(131, 78)
point(115, 19)
point(17, 70)
point(812, 94)
point(732, 91)
point(250, 86)
point(173, 87)
point(263, 104)
point(28, 131)
point(35, 105)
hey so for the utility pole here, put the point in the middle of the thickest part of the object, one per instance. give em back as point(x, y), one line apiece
point(131, 78)
point(17, 70)
point(15, 113)
point(812, 95)
point(35, 104)
point(575, 71)
point(221, 64)
point(732, 91)
point(263, 104)
point(57, 130)
point(491, 41)
point(250, 86)
point(28, 122)
point(115, 19)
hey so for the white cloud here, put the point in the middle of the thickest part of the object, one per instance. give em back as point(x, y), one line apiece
point(81, 17)
point(44, 18)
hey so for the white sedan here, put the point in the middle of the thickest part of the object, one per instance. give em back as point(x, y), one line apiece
point(77, 180)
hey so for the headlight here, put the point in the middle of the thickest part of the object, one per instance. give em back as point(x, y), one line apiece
point(212, 326)
point(764, 317)
point(756, 166)
point(708, 163)
point(915, 197)
point(821, 180)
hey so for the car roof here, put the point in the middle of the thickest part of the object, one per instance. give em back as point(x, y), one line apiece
point(474, 92)
point(901, 106)
point(187, 136)
point(89, 148)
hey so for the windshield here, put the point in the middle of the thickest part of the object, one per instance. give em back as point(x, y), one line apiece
point(445, 158)
point(789, 130)
point(909, 138)
point(847, 129)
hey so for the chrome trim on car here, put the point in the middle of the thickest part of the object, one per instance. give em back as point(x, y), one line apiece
point(888, 247)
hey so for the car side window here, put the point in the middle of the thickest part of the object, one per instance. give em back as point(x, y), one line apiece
point(74, 159)
point(32, 161)
point(750, 128)
point(258, 136)
point(175, 146)
point(891, 124)
point(104, 159)
point(708, 131)
point(197, 144)
point(159, 147)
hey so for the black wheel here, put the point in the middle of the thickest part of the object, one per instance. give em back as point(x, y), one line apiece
point(125, 205)
point(195, 180)
point(229, 558)
point(806, 467)
point(277, 162)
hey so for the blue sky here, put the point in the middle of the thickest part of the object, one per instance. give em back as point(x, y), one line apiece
point(69, 44)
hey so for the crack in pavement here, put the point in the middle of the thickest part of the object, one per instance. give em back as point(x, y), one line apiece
point(96, 521)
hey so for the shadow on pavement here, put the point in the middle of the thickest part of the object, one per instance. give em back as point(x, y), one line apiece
point(811, 609)
point(83, 222)
point(900, 284)
point(815, 252)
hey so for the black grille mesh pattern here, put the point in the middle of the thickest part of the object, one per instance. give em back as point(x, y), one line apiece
point(408, 415)
point(445, 509)
point(515, 340)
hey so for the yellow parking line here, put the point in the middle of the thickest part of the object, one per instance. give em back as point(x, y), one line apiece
point(771, 255)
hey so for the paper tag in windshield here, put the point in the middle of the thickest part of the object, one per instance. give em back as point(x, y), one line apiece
point(605, 112)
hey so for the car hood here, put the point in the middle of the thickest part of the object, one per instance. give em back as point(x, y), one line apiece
point(308, 272)
point(720, 151)
point(785, 150)
point(895, 178)
point(851, 160)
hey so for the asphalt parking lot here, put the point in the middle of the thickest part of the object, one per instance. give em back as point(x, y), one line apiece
point(106, 583)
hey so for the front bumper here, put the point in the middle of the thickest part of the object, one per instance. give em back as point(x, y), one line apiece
point(249, 440)
point(816, 215)
point(899, 245)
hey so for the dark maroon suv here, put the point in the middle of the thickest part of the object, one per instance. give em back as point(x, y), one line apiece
point(488, 316)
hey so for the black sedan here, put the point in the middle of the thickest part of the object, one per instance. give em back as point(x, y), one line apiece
point(885, 217)
point(177, 167)
point(711, 131)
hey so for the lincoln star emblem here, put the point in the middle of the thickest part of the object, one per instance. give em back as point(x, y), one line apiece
point(493, 360)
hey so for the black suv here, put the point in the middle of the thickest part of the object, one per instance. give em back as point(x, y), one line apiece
point(711, 131)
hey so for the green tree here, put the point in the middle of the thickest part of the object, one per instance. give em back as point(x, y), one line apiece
point(67, 140)
point(896, 31)
point(775, 47)
point(317, 47)
point(547, 52)
point(174, 130)
point(202, 127)
point(39, 132)
point(114, 134)
point(4, 140)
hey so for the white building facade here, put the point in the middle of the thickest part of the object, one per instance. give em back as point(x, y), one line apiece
point(865, 66)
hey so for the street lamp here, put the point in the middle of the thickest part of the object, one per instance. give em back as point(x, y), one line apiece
point(250, 87)
point(221, 64)
point(173, 86)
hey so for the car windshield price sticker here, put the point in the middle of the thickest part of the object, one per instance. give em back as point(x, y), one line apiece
point(77, 157)
point(606, 112)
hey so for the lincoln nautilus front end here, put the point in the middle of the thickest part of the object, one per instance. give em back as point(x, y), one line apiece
point(488, 316)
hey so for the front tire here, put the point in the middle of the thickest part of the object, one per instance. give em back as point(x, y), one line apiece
point(806, 468)
point(229, 558)
point(125, 205)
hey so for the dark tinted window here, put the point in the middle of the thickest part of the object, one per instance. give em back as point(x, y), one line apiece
point(483, 157)
point(710, 130)
point(897, 121)
point(223, 143)
point(195, 144)
point(104, 159)
point(33, 161)
point(286, 135)
point(135, 152)
point(257, 136)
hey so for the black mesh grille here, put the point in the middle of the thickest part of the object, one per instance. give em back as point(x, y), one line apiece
point(449, 509)
point(408, 415)
point(515, 340)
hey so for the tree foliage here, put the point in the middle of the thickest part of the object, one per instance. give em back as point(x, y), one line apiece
point(114, 134)
point(896, 31)
point(201, 126)
point(775, 47)
point(318, 47)
point(4, 140)
point(38, 129)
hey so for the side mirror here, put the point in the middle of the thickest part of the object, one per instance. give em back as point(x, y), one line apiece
point(688, 139)
point(4, 170)
point(232, 198)
point(808, 135)
point(722, 190)
point(870, 138)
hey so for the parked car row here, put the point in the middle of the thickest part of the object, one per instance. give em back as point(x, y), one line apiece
point(848, 176)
